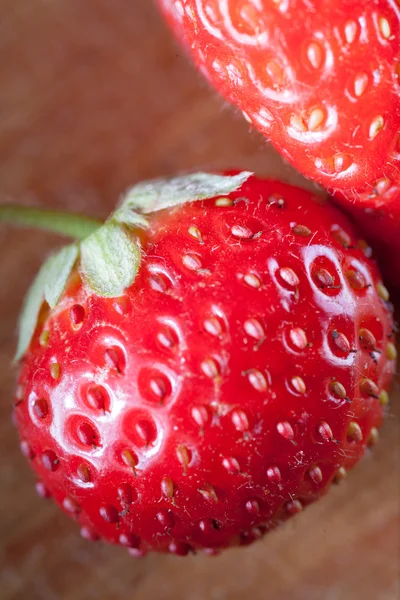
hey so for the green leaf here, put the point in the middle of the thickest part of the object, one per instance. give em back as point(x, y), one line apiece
point(158, 194)
point(59, 268)
point(129, 218)
point(49, 285)
point(110, 259)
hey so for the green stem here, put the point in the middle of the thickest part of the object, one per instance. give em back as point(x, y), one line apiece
point(75, 226)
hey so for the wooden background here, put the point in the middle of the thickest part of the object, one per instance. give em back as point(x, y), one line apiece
point(95, 95)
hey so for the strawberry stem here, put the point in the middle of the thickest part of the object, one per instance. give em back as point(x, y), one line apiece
point(75, 226)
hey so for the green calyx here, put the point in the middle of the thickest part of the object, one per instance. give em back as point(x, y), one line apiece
point(109, 253)
point(48, 285)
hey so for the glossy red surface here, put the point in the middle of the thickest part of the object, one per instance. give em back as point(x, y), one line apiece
point(223, 392)
point(318, 79)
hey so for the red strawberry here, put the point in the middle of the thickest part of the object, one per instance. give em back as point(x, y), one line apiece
point(243, 369)
point(321, 80)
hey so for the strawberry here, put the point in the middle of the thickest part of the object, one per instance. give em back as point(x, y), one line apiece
point(321, 80)
point(203, 365)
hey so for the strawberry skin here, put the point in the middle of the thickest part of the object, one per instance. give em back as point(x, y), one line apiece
point(321, 80)
point(244, 370)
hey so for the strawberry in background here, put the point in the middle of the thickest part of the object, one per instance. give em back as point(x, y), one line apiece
point(321, 81)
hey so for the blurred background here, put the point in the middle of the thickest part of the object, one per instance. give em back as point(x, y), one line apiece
point(94, 96)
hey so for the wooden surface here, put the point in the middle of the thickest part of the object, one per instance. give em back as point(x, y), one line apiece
point(95, 95)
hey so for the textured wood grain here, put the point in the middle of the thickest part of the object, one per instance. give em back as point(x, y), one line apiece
point(94, 95)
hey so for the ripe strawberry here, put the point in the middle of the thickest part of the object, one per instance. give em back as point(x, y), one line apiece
point(202, 397)
point(321, 80)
